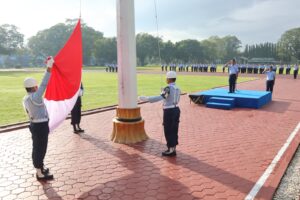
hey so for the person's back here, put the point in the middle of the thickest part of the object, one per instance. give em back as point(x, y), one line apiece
point(34, 104)
point(36, 110)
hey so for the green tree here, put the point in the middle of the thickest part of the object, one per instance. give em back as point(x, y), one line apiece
point(231, 45)
point(210, 50)
point(50, 41)
point(262, 50)
point(167, 52)
point(189, 51)
point(146, 47)
point(106, 50)
point(10, 39)
point(289, 45)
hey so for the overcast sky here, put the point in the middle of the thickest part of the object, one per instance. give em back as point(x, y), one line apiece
point(252, 21)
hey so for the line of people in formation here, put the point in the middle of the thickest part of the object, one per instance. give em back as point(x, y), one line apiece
point(259, 69)
point(243, 68)
point(192, 67)
point(111, 67)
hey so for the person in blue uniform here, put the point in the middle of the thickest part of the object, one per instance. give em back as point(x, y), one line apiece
point(274, 66)
point(281, 69)
point(271, 74)
point(171, 112)
point(233, 74)
point(288, 70)
point(296, 68)
point(35, 108)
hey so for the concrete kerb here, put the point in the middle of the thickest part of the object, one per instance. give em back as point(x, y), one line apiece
point(21, 125)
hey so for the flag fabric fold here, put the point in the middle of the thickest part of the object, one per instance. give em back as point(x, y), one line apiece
point(64, 84)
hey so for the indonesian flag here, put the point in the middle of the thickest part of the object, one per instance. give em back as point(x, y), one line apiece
point(64, 84)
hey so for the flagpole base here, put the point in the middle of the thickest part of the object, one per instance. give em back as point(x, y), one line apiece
point(128, 126)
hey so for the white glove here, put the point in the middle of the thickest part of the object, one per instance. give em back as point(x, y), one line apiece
point(80, 93)
point(143, 98)
point(50, 62)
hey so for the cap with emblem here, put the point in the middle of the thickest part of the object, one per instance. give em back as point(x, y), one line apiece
point(30, 82)
point(171, 74)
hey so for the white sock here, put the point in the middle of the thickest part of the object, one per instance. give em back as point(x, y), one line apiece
point(39, 172)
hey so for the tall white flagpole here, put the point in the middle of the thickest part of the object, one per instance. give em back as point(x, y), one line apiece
point(128, 123)
point(126, 54)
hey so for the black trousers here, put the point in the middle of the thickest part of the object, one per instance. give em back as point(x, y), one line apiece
point(270, 85)
point(232, 82)
point(295, 74)
point(76, 112)
point(39, 135)
point(171, 124)
point(261, 70)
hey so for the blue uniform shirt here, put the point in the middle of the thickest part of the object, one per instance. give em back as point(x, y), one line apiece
point(34, 104)
point(233, 69)
point(270, 75)
point(170, 96)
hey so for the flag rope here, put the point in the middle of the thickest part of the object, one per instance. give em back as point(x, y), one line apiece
point(160, 60)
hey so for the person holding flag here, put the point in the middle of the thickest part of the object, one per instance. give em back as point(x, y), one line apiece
point(36, 110)
point(61, 91)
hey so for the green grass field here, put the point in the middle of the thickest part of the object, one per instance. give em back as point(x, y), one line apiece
point(100, 89)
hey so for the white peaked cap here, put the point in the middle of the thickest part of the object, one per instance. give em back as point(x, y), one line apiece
point(171, 74)
point(30, 82)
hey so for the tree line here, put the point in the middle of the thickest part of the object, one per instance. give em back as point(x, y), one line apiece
point(100, 50)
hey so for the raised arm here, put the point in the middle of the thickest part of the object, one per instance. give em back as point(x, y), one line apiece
point(226, 64)
point(38, 95)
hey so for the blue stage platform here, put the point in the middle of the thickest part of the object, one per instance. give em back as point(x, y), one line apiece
point(220, 98)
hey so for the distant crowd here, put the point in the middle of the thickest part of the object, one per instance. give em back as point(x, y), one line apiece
point(192, 67)
point(243, 68)
point(111, 67)
point(259, 69)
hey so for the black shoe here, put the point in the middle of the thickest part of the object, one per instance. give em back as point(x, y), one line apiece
point(80, 130)
point(45, 170)
point(44, 177)
point(168, 153)
point(76, 131)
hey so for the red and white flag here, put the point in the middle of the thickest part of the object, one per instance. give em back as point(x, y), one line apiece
point(64, 84)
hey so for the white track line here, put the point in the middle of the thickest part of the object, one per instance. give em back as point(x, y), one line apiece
point(261, 181)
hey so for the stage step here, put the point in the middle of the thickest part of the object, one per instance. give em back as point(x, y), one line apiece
point(221, 100)
point(226, 106)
